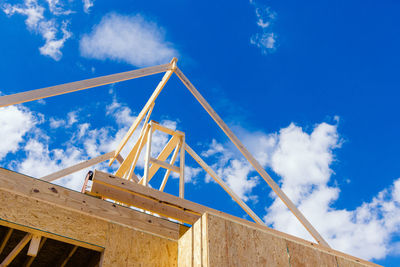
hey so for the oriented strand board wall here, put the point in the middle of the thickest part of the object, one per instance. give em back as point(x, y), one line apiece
point(217, 241)
point(124, 246)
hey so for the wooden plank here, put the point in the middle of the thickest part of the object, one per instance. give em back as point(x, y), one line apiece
point(182, 169)
point(69, 200)
point(120, 159)
point(235, 197)
point(10, 257)
point(80, 85)
point(147, 156)
point(5, 239)
point(137, 148)
point(251, 159)
point(77, 167)
point(166, 130)
point(140, 201)
point(172, 161)
point(164, 165)
point(34, 245)
point(167, 150)
point(30, 260)
point(69, 256)
point(142, 113)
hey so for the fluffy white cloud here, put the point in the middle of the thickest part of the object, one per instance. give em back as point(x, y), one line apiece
point(15, 122)
point(87, 4)
point(131, 39)
point(265, 39)
point(303, 162)
point(55, 34)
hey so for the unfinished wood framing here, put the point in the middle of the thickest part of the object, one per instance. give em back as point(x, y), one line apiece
point(77, 167)
point(16, 250)
point(34, 245)
point(30, 260)
point(5, 239)
point(126, 170)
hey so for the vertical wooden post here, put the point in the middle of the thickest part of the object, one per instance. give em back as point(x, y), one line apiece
point(182, 169)
point(148, 154)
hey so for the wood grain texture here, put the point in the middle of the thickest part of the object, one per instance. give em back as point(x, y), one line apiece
point(80, 85)
point(72, 205)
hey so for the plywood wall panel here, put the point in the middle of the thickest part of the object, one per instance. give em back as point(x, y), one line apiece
point(304, 256)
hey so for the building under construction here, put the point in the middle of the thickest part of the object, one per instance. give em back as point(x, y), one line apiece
point(119, 220)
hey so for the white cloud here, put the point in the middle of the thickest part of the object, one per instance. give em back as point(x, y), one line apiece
point(303, 162)
point(87, 4)
point(55, 34)
point(56, 123)
point(15, 122)
point(56, 7)
point(131, 39)
point(265, 39)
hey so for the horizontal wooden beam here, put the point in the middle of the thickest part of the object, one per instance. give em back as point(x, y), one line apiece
point(164, 165)
point(77, 167)
point(166, 130)
point(80, 85)
point(87, 205)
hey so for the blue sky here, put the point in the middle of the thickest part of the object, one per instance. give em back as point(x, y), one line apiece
point(311, 88)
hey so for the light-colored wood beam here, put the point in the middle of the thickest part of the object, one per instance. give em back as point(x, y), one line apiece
point(142, 113)
point(182, 168)
point(80, 85)
point(69, 256)
point(30, 260)
point(164, 165)
point(34, 246)
point(10, 257)
point(172, 161)
point(216, 178)
point(77, 167)
point(67, 199)
point(147, 157)
point(251, 159)
point(167, 150)
point(5, 239)
point(166, 130)
point(137, 148)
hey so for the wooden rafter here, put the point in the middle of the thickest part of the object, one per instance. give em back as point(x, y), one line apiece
point(10, 257)
point(69, 256)
point(250, 158)
point(235, 197)
point(30, 260)
point(5, 239)
point(77, 167)
point(80, 85)
point(142, 113)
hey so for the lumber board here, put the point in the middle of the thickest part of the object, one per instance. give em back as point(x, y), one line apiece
point(16, 250)
point(164, 165)
point(77, 167)
point(147, 156)
point(147, 106)
point(233, 195)
point(182, 168)
point(30, 260)
point(167, 150)
point(69, 200)
point(5, 239)
point(133, 155)
point(142, 202)
point(80, 85)
point(69, 256)
point(168, 172)
point(34, 246)
point(250, 158)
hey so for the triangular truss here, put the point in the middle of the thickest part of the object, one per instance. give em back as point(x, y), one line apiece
point(176, 145)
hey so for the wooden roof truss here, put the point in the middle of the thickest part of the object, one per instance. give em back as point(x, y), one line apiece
point(176, 145)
